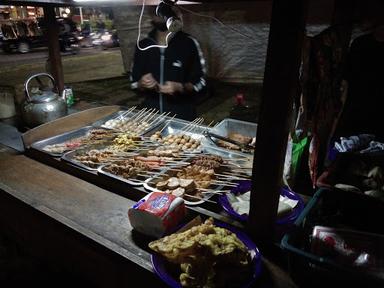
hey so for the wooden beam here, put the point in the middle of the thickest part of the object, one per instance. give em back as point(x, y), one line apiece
point(279, 88)
point(54, 46)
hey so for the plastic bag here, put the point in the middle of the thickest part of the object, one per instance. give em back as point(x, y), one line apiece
point(295, 149)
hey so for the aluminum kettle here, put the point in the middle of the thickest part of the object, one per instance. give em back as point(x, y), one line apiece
point(42, 107)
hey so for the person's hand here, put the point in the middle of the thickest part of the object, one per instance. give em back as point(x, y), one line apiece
point(171, 88)
point(148, 82)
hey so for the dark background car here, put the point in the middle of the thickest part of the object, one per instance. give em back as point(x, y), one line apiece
point(23, 36)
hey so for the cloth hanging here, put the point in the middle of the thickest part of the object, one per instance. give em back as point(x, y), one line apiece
point(322, 73)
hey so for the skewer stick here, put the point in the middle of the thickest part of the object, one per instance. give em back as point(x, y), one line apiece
point(125, 113)
point(143, 115)
point(176, 162)
point(215, 192)
point(151, 120)
point(132, 179)
point(229, 176)
point(175, 169)
point(210, 123)
point(165, 126)
point(151, 115)
point(149, 172)
point(144, 175)
point(241, 168)
point(189, 125)
point(208, 190)
point(238, 178)
point(138, 114)
point(196, 197)
point(224, 184)
point(238, 173)
point(194, 124)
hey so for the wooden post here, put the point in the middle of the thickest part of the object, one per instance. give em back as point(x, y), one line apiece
point(54, 46)
point(281, 81)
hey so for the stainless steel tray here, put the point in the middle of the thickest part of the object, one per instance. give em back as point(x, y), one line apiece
point(140, 178)
point(126, 115)
point(177, 126)
point(70, 156)
point(228, 157)
point(239, 160)
point(58, 139)
point(132, 182)
point(227, 126)
point(150, 185)
point(115, 115)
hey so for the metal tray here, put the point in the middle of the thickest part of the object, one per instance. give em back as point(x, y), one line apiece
point(119, 115)
point(241, 160)
point(150, 184)
point(227, 126)
point(139, 181)
point(176, 126)
point(70, 156)
point(115, 115)
point(58, 139)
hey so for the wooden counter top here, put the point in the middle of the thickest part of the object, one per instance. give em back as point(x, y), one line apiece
point(87, 230)
point(95, 214)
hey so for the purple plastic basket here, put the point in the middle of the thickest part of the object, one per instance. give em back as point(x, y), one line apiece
point(245, 186)
point(159, 263)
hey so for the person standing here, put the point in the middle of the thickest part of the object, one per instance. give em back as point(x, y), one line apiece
point(169, 79)
point(363, 85)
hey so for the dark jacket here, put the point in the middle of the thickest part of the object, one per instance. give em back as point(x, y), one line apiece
point(182, 61)
point(365, 75)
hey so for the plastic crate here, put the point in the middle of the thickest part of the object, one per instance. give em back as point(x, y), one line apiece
point(338, 209)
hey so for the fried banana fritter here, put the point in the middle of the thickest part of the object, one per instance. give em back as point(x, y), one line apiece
point(199, 250)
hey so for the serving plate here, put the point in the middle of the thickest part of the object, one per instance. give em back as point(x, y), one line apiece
point(245, 186)
point(160, 266)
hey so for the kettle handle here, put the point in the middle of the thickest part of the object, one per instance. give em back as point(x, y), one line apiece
point(32, 77)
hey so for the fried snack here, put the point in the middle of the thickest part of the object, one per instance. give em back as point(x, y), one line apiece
point(200, 250)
